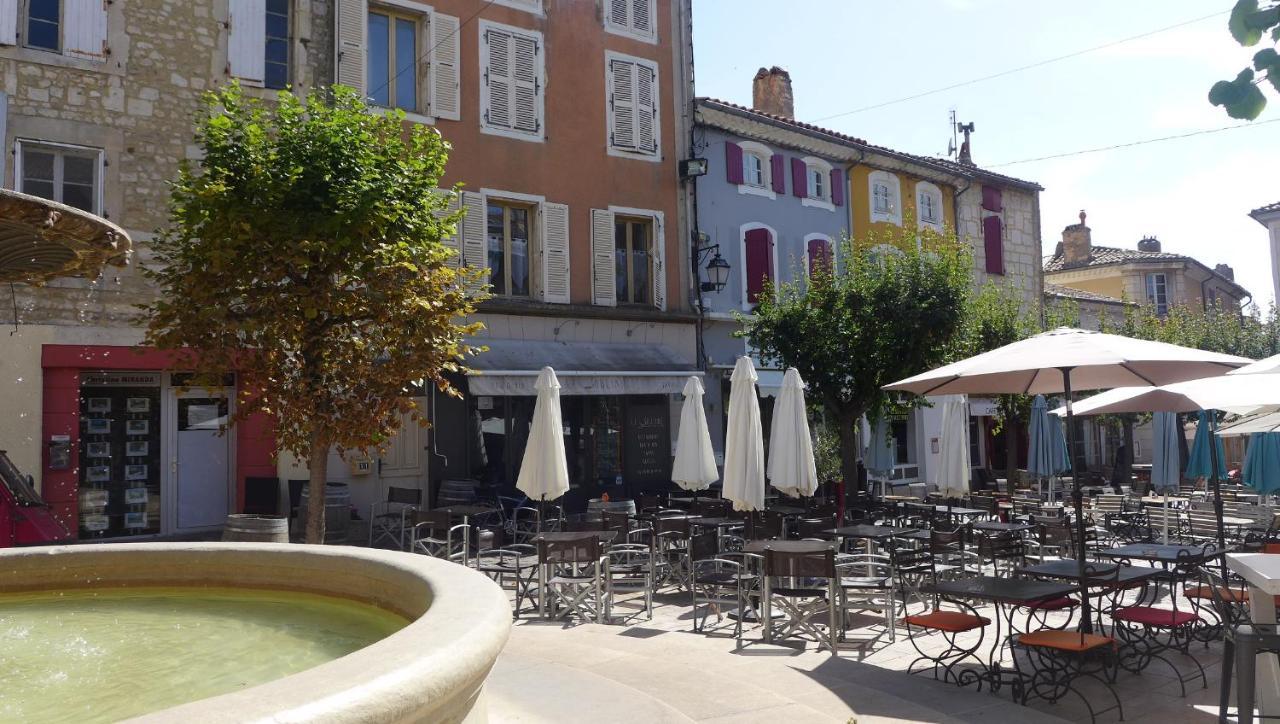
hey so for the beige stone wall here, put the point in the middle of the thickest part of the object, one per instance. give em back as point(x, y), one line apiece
point(1022, 247)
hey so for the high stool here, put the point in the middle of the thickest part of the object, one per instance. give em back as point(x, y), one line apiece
point(1240, 647)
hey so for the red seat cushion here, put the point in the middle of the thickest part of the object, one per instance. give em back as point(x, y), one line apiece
point(1054, 604)
point(951, 621)
point(1157, 617)
point(1065, 640)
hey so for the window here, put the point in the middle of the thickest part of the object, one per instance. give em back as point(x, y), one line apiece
point(885, 195)
point(882, 198)
point(276, 53)
point(44, 18)
point(508, 235)
point(632, 91)
point(67, 174)
point(511, 91)
point(393, 60)
point(753, 170)
point(928, 206)
point(633, 243)
point(1157, 293)
point(631, 17)
point(817, 183)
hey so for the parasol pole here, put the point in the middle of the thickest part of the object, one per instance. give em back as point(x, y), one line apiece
point(1217, 490)
point(1077, 495)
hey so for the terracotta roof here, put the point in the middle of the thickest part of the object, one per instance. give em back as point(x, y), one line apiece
point(1057, 290)
point(1104, 255)
point(1268, 209)
point(942, 164)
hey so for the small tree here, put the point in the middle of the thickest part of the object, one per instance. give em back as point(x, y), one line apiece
point(304, 251)
point(891, 307)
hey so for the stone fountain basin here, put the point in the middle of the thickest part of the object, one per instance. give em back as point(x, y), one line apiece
point(433, 669)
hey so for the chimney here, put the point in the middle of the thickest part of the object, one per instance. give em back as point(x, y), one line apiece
point(1226, 271)
point(771, 92)
point(1077, 244)
point(1149, 243)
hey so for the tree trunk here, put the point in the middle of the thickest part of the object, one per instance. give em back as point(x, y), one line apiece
point(848, 425)
point(319, 465)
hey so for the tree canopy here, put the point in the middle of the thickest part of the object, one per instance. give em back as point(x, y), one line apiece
point(304, 251)
point(1249, 24)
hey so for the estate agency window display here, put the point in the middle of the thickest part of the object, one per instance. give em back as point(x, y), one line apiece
point(119, 454)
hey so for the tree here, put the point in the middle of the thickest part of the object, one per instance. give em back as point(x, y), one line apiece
point(1215, 329)
point(303, 250)
point(890, 308)
point(1241, 97)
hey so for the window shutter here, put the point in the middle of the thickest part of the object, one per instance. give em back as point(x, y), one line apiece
point(732, 162)
point(759, 257)
point(446, 93)
point(646, 109)
point(497, 77)
point(819, 252)
point(85, 34)
point(603, 287)
point(246, 41)
point(352, 19)
point(799, 178)
point(622, 100)
point(993, 241)
point(837, 187)
point(618, 12)
point(992, 199)
point(659, 264)
point(474, 243)
point(555, 253)
point(640, 20)
point(524, 66)
point(778, 171)
point(8, 22)
point(451, 240)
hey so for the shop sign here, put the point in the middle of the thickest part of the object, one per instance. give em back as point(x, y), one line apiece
point(982, 408)
point(120, 379)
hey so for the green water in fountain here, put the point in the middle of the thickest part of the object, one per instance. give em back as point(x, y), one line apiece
point(88, 656)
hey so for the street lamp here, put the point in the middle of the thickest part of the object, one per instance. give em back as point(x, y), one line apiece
point(717, 269)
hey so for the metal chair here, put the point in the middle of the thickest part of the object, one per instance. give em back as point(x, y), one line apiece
point(513, 568)
point(711, 507)
point(670, 544)
point(814, 528)
point(435, 534)
point(804, 587)
point(391, 519)
point(866, 584)
point(631, 569)
point(1001, 547)
point(572, 578)
point(715, 579)
point(1147, 631)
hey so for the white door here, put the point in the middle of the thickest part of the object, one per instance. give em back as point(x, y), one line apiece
point(201, 458)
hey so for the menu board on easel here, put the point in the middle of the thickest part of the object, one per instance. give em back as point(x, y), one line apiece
point(646, 456)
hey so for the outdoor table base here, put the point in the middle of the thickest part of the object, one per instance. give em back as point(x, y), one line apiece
point(1262, 572)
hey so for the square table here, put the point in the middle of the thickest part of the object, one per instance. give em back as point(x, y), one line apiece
point(869, 533)
point(1262, 572)
point(1068, 569)
point(1157, 553)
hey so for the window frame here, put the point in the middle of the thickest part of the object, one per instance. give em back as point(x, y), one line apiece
point(765, 154)
point(420, 19)
point(1161, 306)
point(24, 16)
point(656, 100)
point(893, 186)
point(627, 28)
point(267, 37)
point(540, 83)
point(61, 150)
point(650, 223)
point(530, 207)
point(934, 193)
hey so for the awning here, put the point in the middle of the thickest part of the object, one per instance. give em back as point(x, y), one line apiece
point(510, 367)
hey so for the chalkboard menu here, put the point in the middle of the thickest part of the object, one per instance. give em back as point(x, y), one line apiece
point(647, 439)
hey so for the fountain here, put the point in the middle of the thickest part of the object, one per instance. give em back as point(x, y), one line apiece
point(239, 631)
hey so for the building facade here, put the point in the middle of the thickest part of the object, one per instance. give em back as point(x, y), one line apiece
point(566, 120)
point(1269, 217)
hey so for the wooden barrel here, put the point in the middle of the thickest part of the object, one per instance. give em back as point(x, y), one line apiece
point(612, 506)
point(337, 511)
point(256, 528)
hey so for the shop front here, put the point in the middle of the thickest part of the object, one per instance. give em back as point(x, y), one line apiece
point(131, 450)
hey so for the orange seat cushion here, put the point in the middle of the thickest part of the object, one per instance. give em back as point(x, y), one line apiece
point(1232, 595)
point(950, 621)
point(1065, 640)
point(1156, 617)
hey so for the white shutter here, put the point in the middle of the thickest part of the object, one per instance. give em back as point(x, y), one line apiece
point(247, 42)
point(446, 101)
point(85, 31)
point(497, 78)
point(617, 10)
point(641, 21)
point(474, 243)
point(352, 20)
point(603, 285)
point(646, 109)
point(659, 264)
point(622, 112)
point(526, 82)
point(555, 253)
point(8, 22)
point(451, 240)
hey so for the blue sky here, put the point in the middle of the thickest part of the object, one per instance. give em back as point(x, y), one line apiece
point(1193, 194)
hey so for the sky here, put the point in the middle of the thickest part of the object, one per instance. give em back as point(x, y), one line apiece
point(1194, 194)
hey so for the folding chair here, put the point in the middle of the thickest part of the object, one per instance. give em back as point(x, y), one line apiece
point(866, 584)
point(804, 587)
point(391, 519)
point(513, 568)
point(631, 570)
point(572, 578)
point(435, 534)
point(716, 579)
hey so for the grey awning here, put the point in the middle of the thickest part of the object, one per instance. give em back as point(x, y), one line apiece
point(511, 366)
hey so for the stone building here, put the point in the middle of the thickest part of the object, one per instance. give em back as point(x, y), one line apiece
point(1269, 217)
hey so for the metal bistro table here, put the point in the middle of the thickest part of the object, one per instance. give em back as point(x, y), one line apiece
point(720, 524)
point(999, 526)
point(870, 533)
point(1068, 569)
point(1262, 572)
point(1159, 553)
point(1006, 595)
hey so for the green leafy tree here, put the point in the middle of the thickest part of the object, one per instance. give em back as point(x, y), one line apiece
point(890, 308)
point(1249, 23)
point(303, 250)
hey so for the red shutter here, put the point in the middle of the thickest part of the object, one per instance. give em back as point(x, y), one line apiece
point(799, 180)
point(778, 169)
point(819, 255)
point(759, 255)
point(837, 187)
point(732, 162)
point(993, 240)
point(991, 199)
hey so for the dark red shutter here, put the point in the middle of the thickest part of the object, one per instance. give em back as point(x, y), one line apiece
point(819, 254)
point(759, 254)
point(993, 240)
point(991, 199)
point(778, 169)
point(837, 187)
point(732, 162)
point(799, 179)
